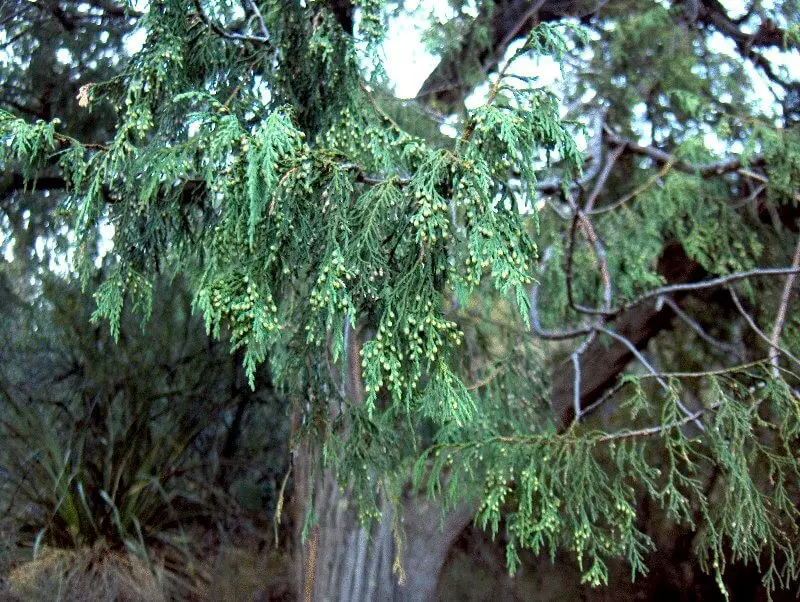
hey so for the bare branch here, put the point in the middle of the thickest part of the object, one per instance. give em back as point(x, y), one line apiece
point(609, 393)
point(594, 152)
point(703, 284)
point(576, 387)
point(716, 168)
point(768, 34)
point(636, 192)
point(659, 428)
point(260, 17)
point(706, 373)
point(601, 181)
point(550, 335)
point(601, 364)
point(599, 251)
point(507, 21)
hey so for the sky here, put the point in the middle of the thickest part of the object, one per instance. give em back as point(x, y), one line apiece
point(407, 62)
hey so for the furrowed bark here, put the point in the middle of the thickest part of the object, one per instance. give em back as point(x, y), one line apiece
point(352, 562)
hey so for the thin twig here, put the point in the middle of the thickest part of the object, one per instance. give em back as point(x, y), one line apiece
point(485, 381)
point(636, 192)
point(224, 33)
point(605, 276)
point(754, 327)
point(696, 286)
point(570, 260)
point(694, 325)
point(603, 178)
point(706, 373)
point(276, 521)
point(716, 168)
point(751, 197)
point(638, 355)
point(654, 430)
point(599, 251)
point(775, 337)
point(608, 394)
point(536, 323)
point(553, 185)
point(576, 387)
point(260, 18)
point(749, 173)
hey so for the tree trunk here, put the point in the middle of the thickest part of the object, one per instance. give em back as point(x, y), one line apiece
point(397, 558)
point(343, 561)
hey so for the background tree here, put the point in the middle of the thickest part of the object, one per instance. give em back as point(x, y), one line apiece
point(384, 269)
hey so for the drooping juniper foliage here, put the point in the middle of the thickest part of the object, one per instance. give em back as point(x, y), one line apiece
point(256, 153)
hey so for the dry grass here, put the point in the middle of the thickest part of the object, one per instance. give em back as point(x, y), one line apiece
point(85, 574)
point(240, 574)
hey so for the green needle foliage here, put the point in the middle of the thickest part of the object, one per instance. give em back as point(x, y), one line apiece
point(252, 154)
point(300, 233)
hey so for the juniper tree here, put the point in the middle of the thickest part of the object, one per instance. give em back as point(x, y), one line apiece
point(580, 301)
